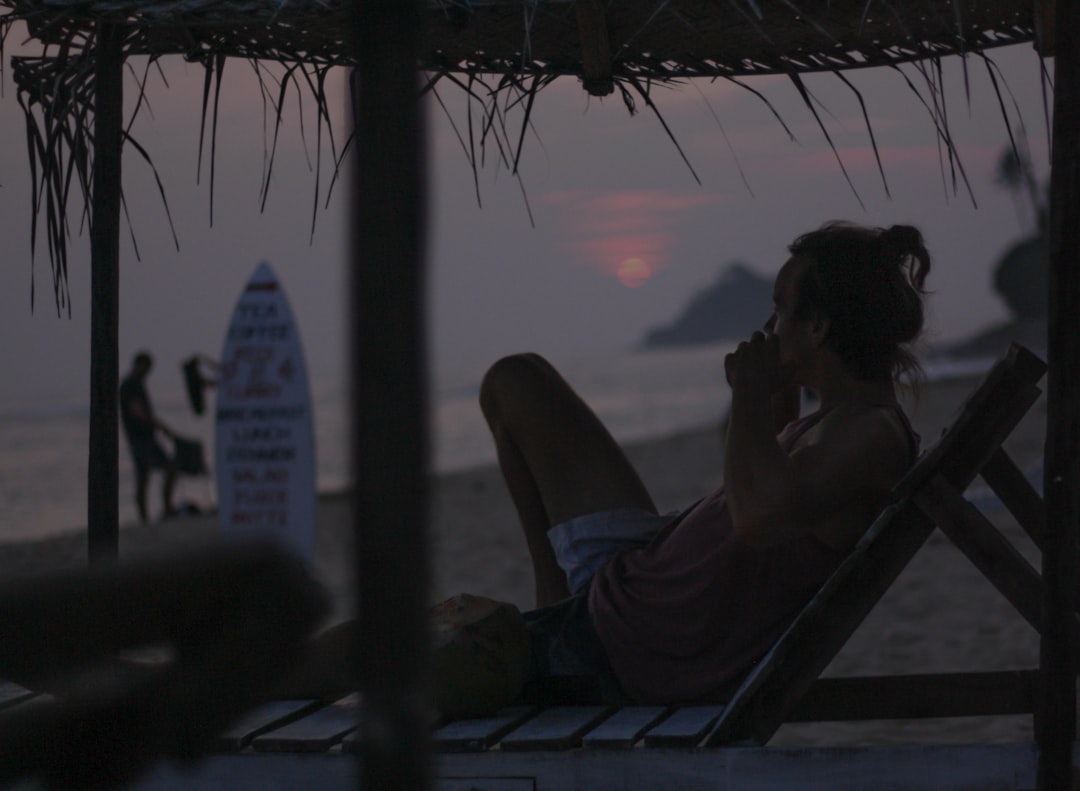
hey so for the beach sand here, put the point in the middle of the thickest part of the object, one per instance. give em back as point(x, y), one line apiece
point(940, 616)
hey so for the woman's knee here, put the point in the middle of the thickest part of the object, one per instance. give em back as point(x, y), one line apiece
point(514, 373)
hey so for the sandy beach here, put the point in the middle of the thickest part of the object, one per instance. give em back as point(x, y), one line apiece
point(940, 616)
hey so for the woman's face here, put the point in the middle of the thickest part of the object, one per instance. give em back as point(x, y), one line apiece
point(796, 337)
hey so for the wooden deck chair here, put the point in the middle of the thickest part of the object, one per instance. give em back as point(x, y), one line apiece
point(533, 747)
point(784, 686)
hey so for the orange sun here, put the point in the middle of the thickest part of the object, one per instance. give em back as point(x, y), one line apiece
point(633, 272)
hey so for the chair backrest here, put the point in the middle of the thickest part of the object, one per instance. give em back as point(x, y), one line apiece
point(780, 680)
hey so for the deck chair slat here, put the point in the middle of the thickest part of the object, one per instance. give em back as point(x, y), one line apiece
point(11, 694)
point(987, 417)
point(918, 696)
point(1017, 495)
point(265, 718)
point(968, 449)
point(557, 728)
point(624, 728)
point(686, 727)
point(477, 735)
point(780, 680)
point(980, 541)
point(315, 733)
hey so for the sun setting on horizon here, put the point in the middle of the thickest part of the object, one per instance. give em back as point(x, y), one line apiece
point(627, 234)
point(633, 272)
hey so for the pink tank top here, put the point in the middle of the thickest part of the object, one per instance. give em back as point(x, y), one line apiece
point(684, 618)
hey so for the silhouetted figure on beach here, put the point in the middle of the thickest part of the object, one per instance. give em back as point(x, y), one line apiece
point(676, 608)
point(637, 606)
point(141, 427)
point(196, 382)
point(645, 607)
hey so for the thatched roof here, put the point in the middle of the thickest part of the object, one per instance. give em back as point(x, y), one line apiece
point(657, 39)
point(518, 45)
point(645, 39)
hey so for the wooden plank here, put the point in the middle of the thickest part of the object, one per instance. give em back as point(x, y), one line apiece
point(917, 696)
point(986, 418)
point(625, 727)
point(825, 624)
point(994, 556)
point(103, 477)
point(388, 374)
point(265, 718)
point(1044, 27)
point(882, 768)
point(1017, 494)
point(19, 708)
point(11, 694)
point(315, 733)
point(595, 48)
point(1055, 726)
point(686, 727)
point(991, 552)
point(477, 735)
point(352, 742)
point(784, 675)
point(557, 728)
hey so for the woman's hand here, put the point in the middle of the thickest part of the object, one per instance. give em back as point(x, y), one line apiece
point(755, 365)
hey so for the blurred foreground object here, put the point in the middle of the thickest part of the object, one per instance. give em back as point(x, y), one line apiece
point(225, 624)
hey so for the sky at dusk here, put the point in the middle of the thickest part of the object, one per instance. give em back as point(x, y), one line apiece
point(620, 235)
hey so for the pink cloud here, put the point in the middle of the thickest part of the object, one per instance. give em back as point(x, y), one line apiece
point(975, 158)
point(606, 230)
point(649, 200)
point(609, 252)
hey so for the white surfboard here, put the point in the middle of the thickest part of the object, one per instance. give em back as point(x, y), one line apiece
point(265, 446)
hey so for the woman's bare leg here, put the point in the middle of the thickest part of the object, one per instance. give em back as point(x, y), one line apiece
point(558, 459)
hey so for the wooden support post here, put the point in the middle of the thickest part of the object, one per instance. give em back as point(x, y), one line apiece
point(389, 398)
point(1043, 14)
point(1056, 720)
point(595, 48)
point(907, 697)
point(103, 478)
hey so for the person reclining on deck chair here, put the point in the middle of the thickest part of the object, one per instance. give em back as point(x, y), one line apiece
point(676, 609)
point(652, 608)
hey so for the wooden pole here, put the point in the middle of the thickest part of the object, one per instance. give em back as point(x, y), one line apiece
point(103, 517)
point(389, 397)
point(1056, 720)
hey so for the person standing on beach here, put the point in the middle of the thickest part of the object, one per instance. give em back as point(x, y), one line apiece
point(677, 608)
point(141, 426)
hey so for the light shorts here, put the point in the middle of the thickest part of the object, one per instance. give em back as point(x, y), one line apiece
point(585, 543)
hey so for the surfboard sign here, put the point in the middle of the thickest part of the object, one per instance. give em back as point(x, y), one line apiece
point(265, 445)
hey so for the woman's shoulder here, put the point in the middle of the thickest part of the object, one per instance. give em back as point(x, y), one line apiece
point(881, 424)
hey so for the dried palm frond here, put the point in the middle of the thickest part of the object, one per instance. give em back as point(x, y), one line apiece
point(501, 53)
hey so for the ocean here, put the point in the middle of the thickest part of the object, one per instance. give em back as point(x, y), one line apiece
point(43, 466)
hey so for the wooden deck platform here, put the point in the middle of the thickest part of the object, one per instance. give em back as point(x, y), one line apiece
point(985, 768)
point(305, 745)
point(914, 768)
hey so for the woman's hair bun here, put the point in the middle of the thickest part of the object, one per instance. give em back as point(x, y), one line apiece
point(903, 244)
point(901, 239)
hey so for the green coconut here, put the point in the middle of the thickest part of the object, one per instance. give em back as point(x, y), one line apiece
point(480, 658)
